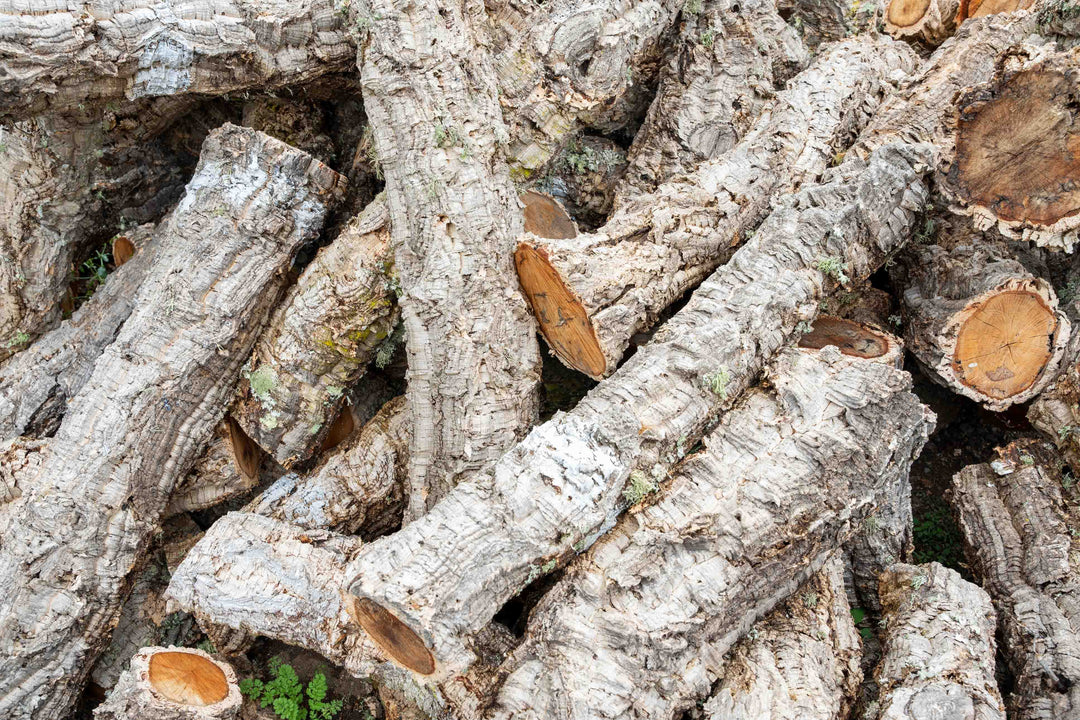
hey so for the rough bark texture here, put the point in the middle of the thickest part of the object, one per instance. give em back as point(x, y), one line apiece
point(155, 395)
point(173, 683)
point(1018, 520)
point(801, 662)
point(592, 292)
point(932, 21)
point(320, 341)
point(938, 659)
point(1056, 411)
point(474, 362)
point(445, 575)
point(730, 60)
point(980, 323)
point(68, 53)
point(638, 624)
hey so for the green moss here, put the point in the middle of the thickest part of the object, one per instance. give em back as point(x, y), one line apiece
point(638, 487)
point(261, 382)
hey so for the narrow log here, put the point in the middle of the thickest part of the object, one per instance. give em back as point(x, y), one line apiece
point(174, 683)
point(980, 323)
point(637, 626)
point(729, 61)
point(445, 575)
point(800, 662)
point(593, 292)
point(69, 543)
point(320, 341)
point(1018, 521)
point(932, 21)
point(230, 466)
point(854, 339)
point(982, 8)
point(939, 648)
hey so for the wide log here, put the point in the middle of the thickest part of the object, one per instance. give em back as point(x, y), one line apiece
point(932, 21)
point(593, 292)
point(85, 518)
point(982, 8)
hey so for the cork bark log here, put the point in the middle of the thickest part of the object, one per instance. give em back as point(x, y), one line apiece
point(931, 21)
point(231, 465)
point(154, 397)
point(939, 649)
point(445, 575)
point(637, 624)
point(591, 293)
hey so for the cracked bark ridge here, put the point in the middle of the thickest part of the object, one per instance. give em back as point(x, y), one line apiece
point(939, 648)
point(445, 575)
point(980, 323)
point(982, 8)
point(320, 341)
point(932, 21)
point(1056, 411)
point(84, 521)
point(174, 683)
point(593, 292)
point(637, 627)
point(802, 662)
point(1017, 518)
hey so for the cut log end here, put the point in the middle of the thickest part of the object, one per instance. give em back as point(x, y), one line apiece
point(546, 218)
point(188, 679)
point(849, 337)
point(394, 637)
point(982, 8)
point(122, 250)
point(1004, 344)
point(563, 319)
point(341, 428)
point(907, 13)
point(246, 453)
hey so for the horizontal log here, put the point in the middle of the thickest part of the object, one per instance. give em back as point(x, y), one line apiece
point(231, 465)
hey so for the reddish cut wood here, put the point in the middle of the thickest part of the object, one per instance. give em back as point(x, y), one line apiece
point(849, 337)
point(246, 454)
point(982, 8)
point(392, 635)
point(188, 679)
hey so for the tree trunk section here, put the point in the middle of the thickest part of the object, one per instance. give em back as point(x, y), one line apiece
point(591, 293)
point(153, 399)
point(231, 465)
point(931, 21)
point(938, 659)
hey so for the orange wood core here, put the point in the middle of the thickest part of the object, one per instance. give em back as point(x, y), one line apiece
point(341, 428)
point(246, 453)
point(849, 337)
point(545, 217)
point(982, 8)
point(1018, 151)
point(904, 13)
point(1003, 346)
point(122, 250)
point(563, 319)
point(187, 678)
point(393, 636)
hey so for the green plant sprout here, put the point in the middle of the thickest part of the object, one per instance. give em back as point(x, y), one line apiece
point(288, 696)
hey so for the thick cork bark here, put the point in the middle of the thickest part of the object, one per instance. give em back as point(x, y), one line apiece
point(173, 683)
point(320, 341)
point(938, 647)
point(932, 21)
point(801, 662)
point(446, 574)
point(639, 624)
point(153, 399)
point(1018, 519)
point(593, 292)
point(231, 465)
point(979, 322)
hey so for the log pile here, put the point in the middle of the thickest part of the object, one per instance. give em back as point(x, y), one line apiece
point(275, 282)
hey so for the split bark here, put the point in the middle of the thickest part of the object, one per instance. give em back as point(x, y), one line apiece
point(445, 575)
point(932, 21)
point(70, 541)
point(638, 624)
point(1016, 517)
point(939, 649)
point(592, 292)
point(802, 661)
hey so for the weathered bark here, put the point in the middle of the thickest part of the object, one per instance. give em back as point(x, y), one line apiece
point(70, 541)
point(1056, 411)
point(938, 659)
point(982, 8)
point(72, 53)
point(445, 575)
point(230, 466)
point(36, 384)
point(474, 362)
point(320, 341)
point(980, 323)
point(932, 21)
point(855, 339)
point(801, 662)
point(638, 624)
point(584, 178)
point(723, 73)
point(1018, 521)
point(174, 683)
point(591, 293)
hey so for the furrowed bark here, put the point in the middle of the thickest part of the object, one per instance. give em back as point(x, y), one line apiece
point(593, 292)
point(939, 649)
point(445, 575)
point(231, 465)
point(174, 683)
point(1016, 516)
point(980, 323)
point(1056, 411)
point(474, 362)
point(932, 21)
point(320, 341)
point(982, 8)
point(71, 53)
point(639, 624)
point(802, 662)
point(729, 61)
point(69, 543)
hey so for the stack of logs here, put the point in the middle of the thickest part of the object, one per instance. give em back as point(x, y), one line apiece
point(273, 279)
